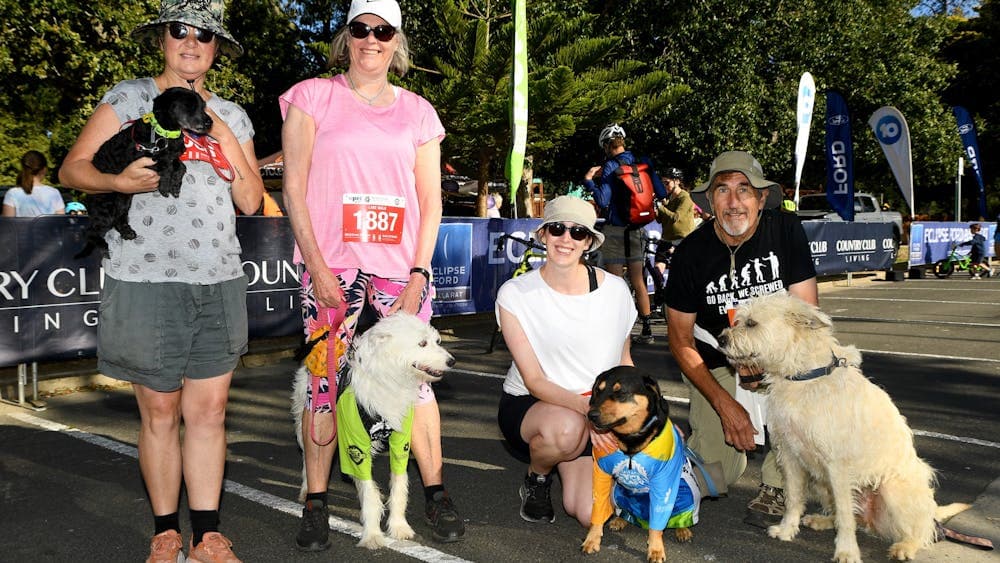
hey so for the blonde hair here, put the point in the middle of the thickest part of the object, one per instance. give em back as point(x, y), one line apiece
point(32, 163)
point(340, 53)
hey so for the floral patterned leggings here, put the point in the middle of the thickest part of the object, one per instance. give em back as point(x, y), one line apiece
point(361, 290)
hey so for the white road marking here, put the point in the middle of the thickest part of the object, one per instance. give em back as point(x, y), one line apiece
point(926, 433)
point(932, 356)
point(911, 321)
point(831, 297)
point(339, 525)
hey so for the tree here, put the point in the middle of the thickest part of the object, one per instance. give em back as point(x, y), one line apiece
point(574, 78)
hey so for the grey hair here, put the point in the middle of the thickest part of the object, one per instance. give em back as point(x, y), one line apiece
point(340, 54)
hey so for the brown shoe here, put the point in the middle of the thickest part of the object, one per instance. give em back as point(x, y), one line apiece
point(770, 501)
point(166, 548)
point(214, 548)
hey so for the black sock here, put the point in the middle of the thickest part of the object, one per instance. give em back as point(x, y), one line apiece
point(203, 521)
point(429, 491)
point(321, 497)
point(166, 522)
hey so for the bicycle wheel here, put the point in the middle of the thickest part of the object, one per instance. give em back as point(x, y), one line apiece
point(944, 268)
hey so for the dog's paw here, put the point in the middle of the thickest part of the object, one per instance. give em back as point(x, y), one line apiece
point(401, 531)
point(656, 555)
point(818, 521)
point(847, 556)
point(683, 535)
point(373, 541)
point(903, 551)
point(591, 545)
point(617, 524)
point(783, 532)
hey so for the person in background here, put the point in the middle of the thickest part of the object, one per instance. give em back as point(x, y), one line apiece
point(564, 323)
point(675, 215)
point(996, 239)
point(748, 249)
point(75, 208)
point(32, 197)
point(624, 246)
point(363, 192)
point(978, 265)
point(173, 316)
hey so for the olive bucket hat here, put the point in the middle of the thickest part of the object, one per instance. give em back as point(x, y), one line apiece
point(203, 14)
point(744, 162)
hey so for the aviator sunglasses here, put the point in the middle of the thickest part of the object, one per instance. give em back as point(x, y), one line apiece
point(576, 232)
point(359, 30)
point(180, 31)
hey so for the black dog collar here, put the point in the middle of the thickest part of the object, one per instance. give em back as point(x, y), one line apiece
point(821, 371)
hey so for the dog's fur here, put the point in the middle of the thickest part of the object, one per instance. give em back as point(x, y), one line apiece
point(839, 437)
point(174, 109)
point(628, 403)
point(387, 365)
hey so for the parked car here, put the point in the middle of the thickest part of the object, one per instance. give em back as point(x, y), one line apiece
point(815, 207)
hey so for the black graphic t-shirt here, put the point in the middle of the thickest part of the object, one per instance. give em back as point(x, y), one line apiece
point(700, 281)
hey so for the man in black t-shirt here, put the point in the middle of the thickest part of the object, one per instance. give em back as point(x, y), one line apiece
point(748, 249)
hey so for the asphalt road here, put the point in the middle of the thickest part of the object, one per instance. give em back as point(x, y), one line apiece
point(70, 488)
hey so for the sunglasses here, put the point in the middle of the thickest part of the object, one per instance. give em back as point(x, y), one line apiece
point(576, 232)
point(180, 31)
point(359, 30)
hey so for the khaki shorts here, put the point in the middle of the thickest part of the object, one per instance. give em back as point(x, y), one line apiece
point(157, 334)
point(613, 249)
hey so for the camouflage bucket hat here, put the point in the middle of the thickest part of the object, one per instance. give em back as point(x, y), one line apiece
point(203, 14)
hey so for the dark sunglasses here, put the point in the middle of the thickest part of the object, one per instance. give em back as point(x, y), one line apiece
point(576, 232)
point(180, 31)
point(359, 30)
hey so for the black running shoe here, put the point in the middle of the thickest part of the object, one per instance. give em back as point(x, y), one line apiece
point(440, 514)
point(536, 499)
point(314, 530)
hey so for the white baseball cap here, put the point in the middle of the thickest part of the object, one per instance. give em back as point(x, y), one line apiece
point(385, 9)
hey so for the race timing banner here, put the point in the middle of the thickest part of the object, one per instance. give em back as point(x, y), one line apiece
point(806, 100)
point(893, 135)
point(839, 156)
point(967, 131)
point(519, 101)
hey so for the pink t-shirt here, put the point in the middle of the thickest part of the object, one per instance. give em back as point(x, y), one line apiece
point(361, 193)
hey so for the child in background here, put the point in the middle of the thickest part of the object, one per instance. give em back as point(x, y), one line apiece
point(979, 266)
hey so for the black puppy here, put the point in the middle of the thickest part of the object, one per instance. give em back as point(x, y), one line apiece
point(158, 135)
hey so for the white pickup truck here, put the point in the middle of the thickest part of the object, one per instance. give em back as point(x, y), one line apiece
point(815, 207)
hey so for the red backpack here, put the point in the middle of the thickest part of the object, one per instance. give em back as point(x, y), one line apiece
point(638, 188)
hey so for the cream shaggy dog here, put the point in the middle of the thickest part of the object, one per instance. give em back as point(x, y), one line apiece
point(387, 365)
point(839, 437)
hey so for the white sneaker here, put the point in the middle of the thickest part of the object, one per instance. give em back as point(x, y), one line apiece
point(976, 277)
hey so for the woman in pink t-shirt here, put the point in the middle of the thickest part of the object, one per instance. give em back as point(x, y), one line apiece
point(362, 185)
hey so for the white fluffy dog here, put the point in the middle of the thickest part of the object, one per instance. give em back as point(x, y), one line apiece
point(838, 436)
point(387, 365)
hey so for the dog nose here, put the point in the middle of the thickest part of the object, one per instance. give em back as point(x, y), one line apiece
point(594, 416)
point(723, 340)
point(451, 361)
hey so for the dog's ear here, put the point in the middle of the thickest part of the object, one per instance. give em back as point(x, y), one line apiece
point(656, 397)
point(806, 315)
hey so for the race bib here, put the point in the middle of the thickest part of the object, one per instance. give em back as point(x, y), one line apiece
point(374, 218)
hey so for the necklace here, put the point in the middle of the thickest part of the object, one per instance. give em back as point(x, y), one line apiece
point(732, 251)
point(371, 100)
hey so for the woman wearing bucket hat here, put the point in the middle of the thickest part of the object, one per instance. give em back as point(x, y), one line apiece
point(749, 248)
point(564, 324)
point(173, 313)
point(362, 185)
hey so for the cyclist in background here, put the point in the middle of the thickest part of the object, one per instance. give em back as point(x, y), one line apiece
point(675, 215)
point(624, 244)
point(978, 265)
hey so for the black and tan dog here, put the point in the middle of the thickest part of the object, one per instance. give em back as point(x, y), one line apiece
point(647, 479)
point(158, 135)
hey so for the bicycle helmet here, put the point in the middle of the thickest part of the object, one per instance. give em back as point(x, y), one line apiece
point(75, 206)
point(610, 132)
point(673, 173)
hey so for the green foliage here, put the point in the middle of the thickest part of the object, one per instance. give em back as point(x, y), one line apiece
point(575, 82)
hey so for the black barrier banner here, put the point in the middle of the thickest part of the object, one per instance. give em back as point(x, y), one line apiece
point(840, 247)
point(49, 300)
